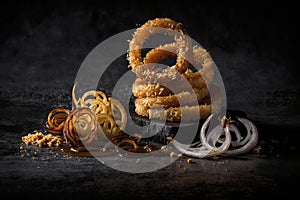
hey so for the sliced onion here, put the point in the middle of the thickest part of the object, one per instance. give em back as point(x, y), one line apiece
point(204, 149)
point(250, 144)
point(207, 145)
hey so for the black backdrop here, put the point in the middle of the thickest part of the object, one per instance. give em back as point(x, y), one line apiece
point(44, 42)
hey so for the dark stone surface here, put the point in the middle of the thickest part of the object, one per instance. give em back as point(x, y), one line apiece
point(43, 45)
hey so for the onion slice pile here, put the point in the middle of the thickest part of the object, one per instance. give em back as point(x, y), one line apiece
point(219, 141)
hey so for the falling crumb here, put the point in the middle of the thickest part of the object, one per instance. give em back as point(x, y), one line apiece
point(180, 155)
point(189, 160)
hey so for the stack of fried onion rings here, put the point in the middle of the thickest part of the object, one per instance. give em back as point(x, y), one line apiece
point(151, 86)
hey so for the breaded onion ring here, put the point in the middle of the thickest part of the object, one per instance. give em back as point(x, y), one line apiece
point(81, 126)
point(200, 59)
point(166, 51)
point(197, 79)
point(56, 120)
point(141, 88)
point(181, 45)
point(204, 63)
point(174, 114)
point(181, 99)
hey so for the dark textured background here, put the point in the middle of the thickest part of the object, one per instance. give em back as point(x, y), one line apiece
point(253, 45)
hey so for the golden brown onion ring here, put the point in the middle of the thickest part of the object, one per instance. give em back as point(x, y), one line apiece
point(200, 59)
point(165, 51)
point(181, 99)
point(141, 88)
point(150, 28)
point(174, 114)
point(203, 62)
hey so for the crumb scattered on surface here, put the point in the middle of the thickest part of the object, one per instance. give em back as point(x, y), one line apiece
point(172, 154)
point(169, 139)
point(189, 160)
point(257, 149)
point(39, 139)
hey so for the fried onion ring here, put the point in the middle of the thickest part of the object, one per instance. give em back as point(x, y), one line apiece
point(203, 62)
point(166, 51)
point(141, 88)
point(200, 59)
point(181, 99)
point(174, 114)
point(152, 27)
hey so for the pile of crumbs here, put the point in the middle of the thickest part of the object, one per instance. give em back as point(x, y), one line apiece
point(39, 139)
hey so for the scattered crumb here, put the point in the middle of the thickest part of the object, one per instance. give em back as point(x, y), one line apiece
point(257, 149)
point(169, 139)
point(180, 155)
point(189, 160)
point(172, 154)
point(41, 140)
point(164, 148)
point(215, 157)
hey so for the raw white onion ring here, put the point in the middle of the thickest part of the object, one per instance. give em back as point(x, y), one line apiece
point(206, 147)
